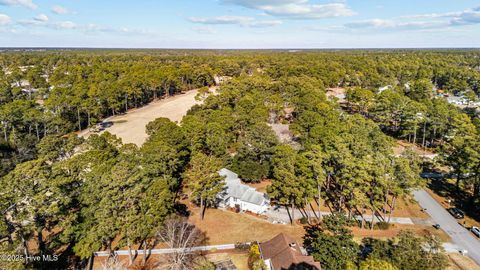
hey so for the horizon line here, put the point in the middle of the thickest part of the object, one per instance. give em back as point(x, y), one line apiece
point(213, 48)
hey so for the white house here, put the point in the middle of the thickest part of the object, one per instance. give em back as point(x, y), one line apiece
point(241, 196)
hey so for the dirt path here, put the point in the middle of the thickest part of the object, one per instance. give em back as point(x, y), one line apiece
point(130, 127)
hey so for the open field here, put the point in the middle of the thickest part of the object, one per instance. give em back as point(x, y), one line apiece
point(131, 126)
point(224, 227)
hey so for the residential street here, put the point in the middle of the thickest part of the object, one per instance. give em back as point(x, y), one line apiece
point(459, 235)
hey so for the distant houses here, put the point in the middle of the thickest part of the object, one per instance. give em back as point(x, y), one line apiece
point(283, 252)
point(219, 80)
point(240, 196)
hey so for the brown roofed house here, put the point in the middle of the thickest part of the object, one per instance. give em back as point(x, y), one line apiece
point(283, 253)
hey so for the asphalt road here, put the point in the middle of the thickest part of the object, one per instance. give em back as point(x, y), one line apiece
point(459, 235)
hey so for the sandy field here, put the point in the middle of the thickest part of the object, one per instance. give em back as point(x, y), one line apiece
point(130, 127)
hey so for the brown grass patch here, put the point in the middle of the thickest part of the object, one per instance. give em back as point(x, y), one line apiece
point(261, 186)
point(420, 230)
point(224, 227)
point(459, 262)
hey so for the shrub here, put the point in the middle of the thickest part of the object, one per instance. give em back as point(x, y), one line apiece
point(255, 261)
point(304, 220)
point(382, 225)
point(242, 246)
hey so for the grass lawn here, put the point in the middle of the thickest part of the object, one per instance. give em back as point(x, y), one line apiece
point(394, 229)
point(224, 227)
point(459, 262)
point(240, 260)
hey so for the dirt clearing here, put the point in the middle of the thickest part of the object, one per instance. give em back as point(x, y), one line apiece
point(130, 127)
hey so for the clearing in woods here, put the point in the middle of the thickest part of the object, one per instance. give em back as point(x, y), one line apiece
point(131, 126)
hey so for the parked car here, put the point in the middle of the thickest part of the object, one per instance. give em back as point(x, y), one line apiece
point(476, 231)
point(456, 213)
point(436, 226)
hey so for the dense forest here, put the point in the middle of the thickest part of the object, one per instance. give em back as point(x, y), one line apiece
point(72, 197)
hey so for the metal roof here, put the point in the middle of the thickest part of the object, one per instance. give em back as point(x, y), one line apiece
point(235, 189)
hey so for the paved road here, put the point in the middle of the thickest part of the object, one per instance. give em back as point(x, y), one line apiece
point(281, 215)
point(460, 236)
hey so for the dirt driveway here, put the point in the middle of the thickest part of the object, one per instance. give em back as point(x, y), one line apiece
point(130, 127)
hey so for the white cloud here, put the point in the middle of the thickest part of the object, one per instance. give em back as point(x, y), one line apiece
point(85, 28)
point(41, 18)
point(390, 24)
point(222, 20)
point(415, 22)
point(5, 19)
point(431, 15)
point(23, 3)
point(296, 9)
point(261, 24)
point(59, 10)
point(235, 20)
point(468, 16)
point(65, 25)
point(204, 30)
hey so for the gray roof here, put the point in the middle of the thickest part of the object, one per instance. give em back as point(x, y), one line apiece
point(235, 189)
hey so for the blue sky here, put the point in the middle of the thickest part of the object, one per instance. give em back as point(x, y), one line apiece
point(240, 23)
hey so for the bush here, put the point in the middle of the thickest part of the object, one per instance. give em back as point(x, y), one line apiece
point(304, 220)
point(242, 246)
point(382, 225)
point(202, 263)
point(255, 261)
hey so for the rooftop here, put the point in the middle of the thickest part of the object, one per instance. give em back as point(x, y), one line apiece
point(285, 253)
point(236, 189)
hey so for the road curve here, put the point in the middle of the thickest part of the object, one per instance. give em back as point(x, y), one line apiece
point(459, 235)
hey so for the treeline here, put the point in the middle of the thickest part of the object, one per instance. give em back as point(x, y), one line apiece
point(74, 198)
point(56, 92)
point(80, 197)
point(418, 116)
point(44, 95)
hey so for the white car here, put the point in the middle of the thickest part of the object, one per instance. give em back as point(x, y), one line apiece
point(476, 231)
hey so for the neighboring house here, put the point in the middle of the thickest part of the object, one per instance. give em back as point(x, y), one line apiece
point(240, 196)
point(221, 79)
point(283, 253)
